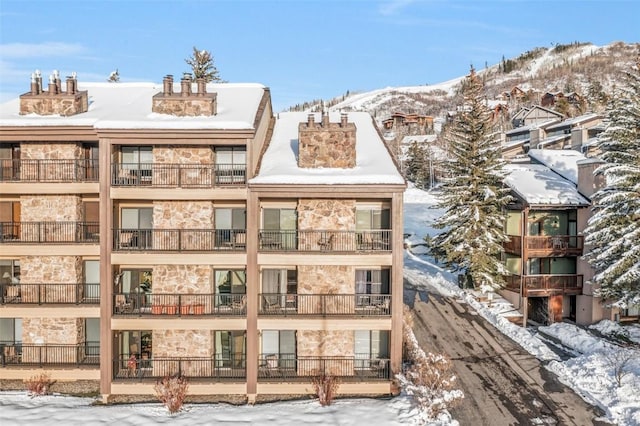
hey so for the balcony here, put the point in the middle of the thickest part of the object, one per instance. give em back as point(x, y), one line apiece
point(232, 368)
point(545, 284)
point(161, 175)
point(288, 367)
point(547, 245)
point(141, 304)
point(51, 294)
point(325, 241)
point(40, 171)
point(82, 354)
point(325, 304)
point(49, 232)
point(181, 240)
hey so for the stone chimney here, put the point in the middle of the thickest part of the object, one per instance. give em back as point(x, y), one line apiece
point(185, 103)
point(331, 145)
point(54, 101)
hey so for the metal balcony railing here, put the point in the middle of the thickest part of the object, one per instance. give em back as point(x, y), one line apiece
point(179, 239)
point(50, 232)
point(288, 367)
point(325, 304)
point(546, 245)
point(325, 240)
point(51, 294)
point(176, 175)
point(143, 304)
point(71, 170)
point(231, 368)
point(51, 355)
point(535, 285)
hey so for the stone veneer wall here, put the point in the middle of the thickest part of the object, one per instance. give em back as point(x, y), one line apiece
point(330, 145)
point(322, 343)
point(187, 106)
point(52, 209)
point(52, 331)
point(185, 215)
point(46, 170)
point(327, 280)
point(183, 343)
point(61, 104)
point(326, 215)
point(187, 155)
point(50, 270)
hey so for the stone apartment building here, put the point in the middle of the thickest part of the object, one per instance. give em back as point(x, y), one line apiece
point(149, 230)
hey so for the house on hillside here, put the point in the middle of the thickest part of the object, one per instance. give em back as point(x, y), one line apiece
point(528, 116)
point(548, 279)
point(517, 142)
point(408, 124)
point(551, 98)
point(148, 230)
point(571, 133)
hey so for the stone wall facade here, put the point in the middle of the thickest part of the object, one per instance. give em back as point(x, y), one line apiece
point(326, 214)
point(327, 144)
point(43, 270)
point(51, 208)
point(321, 343)
point(184, 215)
point(189, 106)
point(60, 104)
point(183, 165)
point(333, 284)
point(191, 282)
point(50, 170)
point(184, 344)
point(51, 331)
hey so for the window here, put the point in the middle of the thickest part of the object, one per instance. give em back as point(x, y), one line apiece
point(137, 226)
point(11, 330)
point(138, 161)
point(91, 270)
point(10, 271)
point(372, 344)
point(138, 343)
point(276, 285)
point(92, 336)
point(230, 224)
point(229, 283)
point(230, 348)
point(231, 164)
point(9, 220)
point(279, 348)
point(374, 281)
point(372, 218)
point(279, 228)
point(9, 162)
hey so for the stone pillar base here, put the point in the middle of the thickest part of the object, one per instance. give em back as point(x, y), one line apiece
point(251, 398)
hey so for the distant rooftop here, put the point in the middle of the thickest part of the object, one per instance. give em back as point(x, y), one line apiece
point(562, 161)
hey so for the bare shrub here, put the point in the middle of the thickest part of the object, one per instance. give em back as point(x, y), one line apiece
point(39, 385)
point(619, 359)
point(172, 391)
point(325, 386)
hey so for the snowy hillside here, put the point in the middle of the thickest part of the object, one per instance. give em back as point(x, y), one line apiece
point(581, 67)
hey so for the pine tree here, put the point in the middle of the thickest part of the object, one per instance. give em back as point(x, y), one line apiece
point(613, 231)
point(202, 66)
point(474, 196)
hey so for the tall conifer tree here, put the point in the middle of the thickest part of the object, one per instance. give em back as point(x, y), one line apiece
point(474, 197)
point(613, 231)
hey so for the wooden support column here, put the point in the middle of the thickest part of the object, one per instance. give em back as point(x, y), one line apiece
point(106, 275)
point(252, 349)
point(397, 280)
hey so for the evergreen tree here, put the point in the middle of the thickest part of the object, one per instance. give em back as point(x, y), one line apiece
point(474, 196)
point(202, 66)
point(613, 231)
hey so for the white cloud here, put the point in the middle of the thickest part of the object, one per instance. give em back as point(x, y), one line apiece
point(50, 48)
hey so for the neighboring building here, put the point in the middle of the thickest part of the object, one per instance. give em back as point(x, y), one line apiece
point(536, 114)
point(147, 231)
point(545, 224)
point(409, 124)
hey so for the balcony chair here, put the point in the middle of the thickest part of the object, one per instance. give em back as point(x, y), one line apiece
point(123, 306)
point(325, 243)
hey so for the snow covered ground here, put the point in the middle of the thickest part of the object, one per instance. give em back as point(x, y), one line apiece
point(590, 372)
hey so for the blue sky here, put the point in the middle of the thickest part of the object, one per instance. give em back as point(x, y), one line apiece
point(302, 49)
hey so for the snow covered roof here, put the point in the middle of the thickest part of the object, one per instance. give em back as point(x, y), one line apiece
point(279, 165)
point(539, 185)
point(562, 161)
point(532, 126)
point(128, 106)
point(546, 141)
point(575, 121)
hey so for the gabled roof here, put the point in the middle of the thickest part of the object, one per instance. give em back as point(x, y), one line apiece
point(374, 164)
point(523, 129)
point(128, 106)
point(533, 108)
point(562, 161)
point(575, 121)
point(538, 185)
